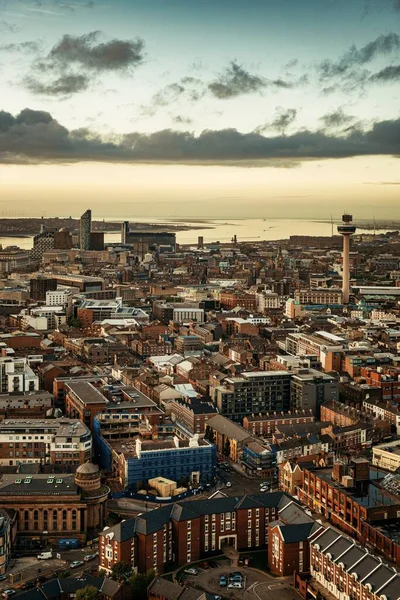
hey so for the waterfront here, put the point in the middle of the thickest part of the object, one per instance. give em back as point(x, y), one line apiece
point(221, 230)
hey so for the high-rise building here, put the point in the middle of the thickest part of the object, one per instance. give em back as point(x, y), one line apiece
point(42, 242)
point(346, 229)
point(85, 230)
point(40, 286)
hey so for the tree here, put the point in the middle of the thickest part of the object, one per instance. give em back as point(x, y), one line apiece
point(139, 584)
point(89, 592)
point(75, 322)
point(121, 571)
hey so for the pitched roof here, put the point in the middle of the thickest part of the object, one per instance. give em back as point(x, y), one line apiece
point(121, 531)
point(229, 428)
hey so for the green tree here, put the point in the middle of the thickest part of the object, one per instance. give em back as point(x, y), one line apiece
point(75, 322)
point(89, 592)
point(139, 584)
point(121, 571)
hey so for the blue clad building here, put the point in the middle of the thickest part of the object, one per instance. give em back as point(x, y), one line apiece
point(171, 458)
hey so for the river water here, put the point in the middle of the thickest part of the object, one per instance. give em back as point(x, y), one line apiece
point(220, 230)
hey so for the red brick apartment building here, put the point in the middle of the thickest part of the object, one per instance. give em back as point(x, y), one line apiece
point(385, 378)
point(230, 300)
point(265, 425)
point(355, 504)
point(341, 569)
point(188, 531)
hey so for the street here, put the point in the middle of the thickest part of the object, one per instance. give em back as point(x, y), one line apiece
point(28, 568)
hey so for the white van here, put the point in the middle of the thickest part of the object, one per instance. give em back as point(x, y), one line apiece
point(45, 555)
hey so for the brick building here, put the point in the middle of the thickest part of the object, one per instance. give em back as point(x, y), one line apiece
point(352, 501)
point(190, 412)
point(265, 425)
point(53, 441)
point(342, 569)
point(51, 507)
point(230, 300)
point(184, 532)
point(83, 401)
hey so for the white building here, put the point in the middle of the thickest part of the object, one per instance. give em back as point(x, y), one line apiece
point(266, 300)
point(58, 298)
point(17, 376)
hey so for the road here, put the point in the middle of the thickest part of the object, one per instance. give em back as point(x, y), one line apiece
point(29, 567)
point(241, 484)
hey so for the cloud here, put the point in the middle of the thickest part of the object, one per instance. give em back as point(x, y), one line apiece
point(65, 85)
point(29, 47)
point(284, 117)
point(388, 74)
point(337, 119)
point(34, 137)
point(7, 27)
point(236, 81)
point(181, 120)
point(187, 89)
point(84, 51)
point(382, 45)
point(75, 61)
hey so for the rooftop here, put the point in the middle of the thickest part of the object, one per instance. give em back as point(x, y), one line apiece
point(86, 392)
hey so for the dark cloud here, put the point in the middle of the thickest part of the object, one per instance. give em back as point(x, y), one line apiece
point(86, 52)
point(5, 26)
point(35, 137)
point(283, 118)
point(74, 62)
point(390, 73)
point(337, 119)
point(236, 81)
point(356, 57)
point(65, 85)
point(29, 47)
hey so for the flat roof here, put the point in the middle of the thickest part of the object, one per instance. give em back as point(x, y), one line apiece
point(86, 392)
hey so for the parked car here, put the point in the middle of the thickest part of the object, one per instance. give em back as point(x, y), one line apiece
point(241, 560)
point(235, 585)
point(28, 585)
point(89, 557)
point(3, 577)
point(8, 593)
point(41, 578)
point(204, 565)
point(75, 564)
point(191, 571)
point(236, 576)
point(264, 489)
point(228, 484)
point(223, 581)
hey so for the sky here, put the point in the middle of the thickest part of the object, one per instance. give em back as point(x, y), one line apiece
point(218, 108)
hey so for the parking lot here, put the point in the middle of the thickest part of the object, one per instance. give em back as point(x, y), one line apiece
point(29, 568)
point(256, 585)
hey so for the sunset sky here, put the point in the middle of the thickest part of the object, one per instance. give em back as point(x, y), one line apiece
point(212, 108)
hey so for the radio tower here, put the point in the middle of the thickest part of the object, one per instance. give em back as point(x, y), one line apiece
point(346, 229)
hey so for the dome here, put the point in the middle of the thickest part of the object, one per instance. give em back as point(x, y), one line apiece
point(87, 468)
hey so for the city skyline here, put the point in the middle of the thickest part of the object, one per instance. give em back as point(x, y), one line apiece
point(177, 104)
